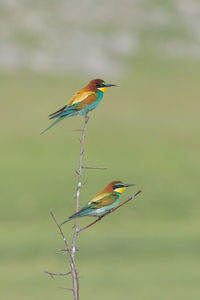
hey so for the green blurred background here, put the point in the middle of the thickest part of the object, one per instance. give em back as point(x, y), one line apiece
point(146, 131)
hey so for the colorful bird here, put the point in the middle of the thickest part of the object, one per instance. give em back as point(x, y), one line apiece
point(82, 102)
point(103, 202)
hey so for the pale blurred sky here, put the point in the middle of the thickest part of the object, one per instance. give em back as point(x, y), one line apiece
point(95, 37)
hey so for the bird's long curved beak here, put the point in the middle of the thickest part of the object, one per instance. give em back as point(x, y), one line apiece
point(109, 85)
point(126, 185)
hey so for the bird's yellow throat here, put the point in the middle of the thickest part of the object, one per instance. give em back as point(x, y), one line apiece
point(120, 190)
point(102, 89)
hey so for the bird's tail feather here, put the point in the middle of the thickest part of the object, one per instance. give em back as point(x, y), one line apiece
point(64, 114)
point(66, 221)
point(54, 123)
point(80, 213)
point(70, 218)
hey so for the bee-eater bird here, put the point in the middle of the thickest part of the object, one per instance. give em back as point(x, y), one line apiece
point(103, 202)
point(82, 102)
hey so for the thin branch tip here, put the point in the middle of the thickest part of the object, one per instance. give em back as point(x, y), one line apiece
point(94, 168)
point(51, 212)
point(137, 193)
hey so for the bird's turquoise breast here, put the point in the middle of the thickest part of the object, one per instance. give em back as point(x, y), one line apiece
point(93, 105)
point(103, 210)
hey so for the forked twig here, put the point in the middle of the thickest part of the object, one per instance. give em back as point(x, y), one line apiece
point(72, 263)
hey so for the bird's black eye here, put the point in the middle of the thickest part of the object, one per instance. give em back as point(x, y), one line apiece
point(118, 186)
point(99, 85)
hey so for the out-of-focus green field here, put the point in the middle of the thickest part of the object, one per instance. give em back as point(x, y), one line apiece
point(146, 131)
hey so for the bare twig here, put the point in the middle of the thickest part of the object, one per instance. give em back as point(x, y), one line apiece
point(52, 274)
point(65, 250)
point(94, 168)
point(66, 289)
point(77, 130)
point(109, 212)
point(60, 229)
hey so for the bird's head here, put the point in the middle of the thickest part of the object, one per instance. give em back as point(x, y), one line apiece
point(99, 84)
point(117, 187)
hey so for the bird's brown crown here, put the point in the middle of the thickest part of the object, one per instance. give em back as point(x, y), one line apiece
point(110, 186)
point(95, 84)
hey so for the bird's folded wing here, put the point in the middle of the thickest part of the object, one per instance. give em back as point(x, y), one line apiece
point(81, 98)
point(77, 102)
point(101, 200)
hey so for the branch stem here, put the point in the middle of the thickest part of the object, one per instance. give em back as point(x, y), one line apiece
point(71, 251)
point(75, 281)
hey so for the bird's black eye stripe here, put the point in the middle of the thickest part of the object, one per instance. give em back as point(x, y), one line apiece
point(99, 85)
point(118, 186)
